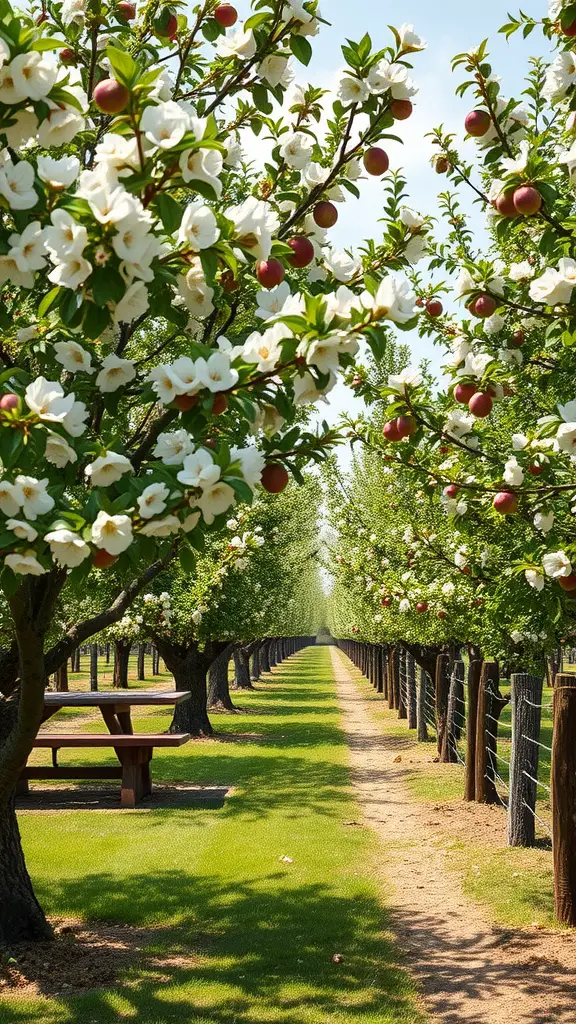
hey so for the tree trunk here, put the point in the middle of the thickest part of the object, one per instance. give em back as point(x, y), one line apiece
point(21, 916)
point(218, 685)
point(255, 672)
point(121, 661)
point(272, 661)
point(265, 656)
point(62, 677)
point(107, 653)
point(141, 672)
point(155, 661)
point(189, 666)
point(242, 669)
point(421, 705)
point(93, 666)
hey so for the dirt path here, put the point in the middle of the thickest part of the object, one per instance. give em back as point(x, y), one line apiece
point(468, 969)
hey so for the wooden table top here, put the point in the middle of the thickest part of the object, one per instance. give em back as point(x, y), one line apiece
point(102, 698)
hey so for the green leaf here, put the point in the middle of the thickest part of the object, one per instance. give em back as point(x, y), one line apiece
point(107, 285)
point(301, 49)
point(242, 489)
point(187, 558)
point(96, 320)
point(169, 211)
point(124, 67)
point(48, 301)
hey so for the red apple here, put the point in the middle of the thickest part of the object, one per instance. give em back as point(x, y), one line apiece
point(325, 215)
point(274, 478)
point(422, 606)
point(505, 204)
point(391, 432)
point(484, 306)
point(434, 307)
point(464, 392)
point(570, 30)
point(451, 490)
point(103, 559)
point(126, 11)
point(406, 426)
point(401, 109)
point(219, 405)
point(226, 15)
point(534, 469)
point(67, 56)
point(518, 338)
point(386, 602)
point(302, 251)
point(185, 402)
point(466, 570)
point(111, 96)
point(505, 502)
point(480, 405)
point(477, 123)
point(376, 161)
point(442, 615)
point(527, 200)
point(169, 29)
point(567, 582)
point(441, 165)
point(9, 401)
point(270, 272)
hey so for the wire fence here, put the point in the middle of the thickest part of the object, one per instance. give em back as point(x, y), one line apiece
point(516, 733)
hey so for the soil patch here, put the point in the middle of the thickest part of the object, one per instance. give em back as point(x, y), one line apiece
point(81, 957)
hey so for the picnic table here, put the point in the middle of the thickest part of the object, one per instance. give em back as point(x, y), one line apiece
point(133, 750)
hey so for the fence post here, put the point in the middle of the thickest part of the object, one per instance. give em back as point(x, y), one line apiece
point(442, 683)
point(563, 781)
point(474, 671)
point(411, 690)
point(526, 700)
point(421, 706)
point(401, 656)
point(490, 704)
point(451, 733)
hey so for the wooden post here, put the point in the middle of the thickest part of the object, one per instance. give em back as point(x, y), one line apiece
point(526, 714)
point(411, 691)
point(401, 662)
point(490, 704)
point(450, 738)
point(380, 669)
point(421, 706)
point(442, 686)
point(457, 684)
point(93, 667)
point(392, 684)
point(563, 781)
point(474, 671)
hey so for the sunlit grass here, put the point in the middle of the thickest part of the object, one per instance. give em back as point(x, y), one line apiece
point(212, 884)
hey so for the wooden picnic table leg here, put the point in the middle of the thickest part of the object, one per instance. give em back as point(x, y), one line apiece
point(125, 721)
point(136, 779)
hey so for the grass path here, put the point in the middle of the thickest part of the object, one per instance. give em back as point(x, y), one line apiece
point(246, 937)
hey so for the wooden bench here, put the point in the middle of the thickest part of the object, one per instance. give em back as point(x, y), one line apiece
point(134, 751)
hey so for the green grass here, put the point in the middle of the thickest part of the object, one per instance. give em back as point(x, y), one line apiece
point(211, 884)
point(515, 885)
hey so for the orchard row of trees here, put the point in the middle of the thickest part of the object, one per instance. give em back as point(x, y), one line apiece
point(454, 530)
point(172, 310)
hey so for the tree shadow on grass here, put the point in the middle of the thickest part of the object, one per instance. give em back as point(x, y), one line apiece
point(254, 951)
